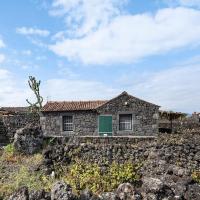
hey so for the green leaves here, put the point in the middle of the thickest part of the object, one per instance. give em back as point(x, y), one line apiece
point(196, 176)
point(89, 175)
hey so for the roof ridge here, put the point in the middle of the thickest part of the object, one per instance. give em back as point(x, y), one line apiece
point(76, 101)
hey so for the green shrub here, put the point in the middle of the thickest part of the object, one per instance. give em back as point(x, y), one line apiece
point(9, 149)
point(18, 170)
point(86, 175)
point(24, 177)
point(33, 180)
point(196, 176)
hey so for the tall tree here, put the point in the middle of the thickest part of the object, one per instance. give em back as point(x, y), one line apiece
point(35, 87)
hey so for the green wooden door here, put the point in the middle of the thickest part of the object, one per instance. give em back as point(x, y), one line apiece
point(105, 125)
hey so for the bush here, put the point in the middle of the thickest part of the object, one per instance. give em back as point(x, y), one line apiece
point(9, 149)
point(21, 173)
point(196, 176)
point(9, 153)
point(91, 176)
point(24, 177)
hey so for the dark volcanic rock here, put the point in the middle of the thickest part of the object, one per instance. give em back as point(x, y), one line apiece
point(62, 191)
point(39, 195)
point(21, 194)
point(28, 140)
point(125, 191)
point(152, 184)
point(86, 195)
point(193, 192)
point(109, 196)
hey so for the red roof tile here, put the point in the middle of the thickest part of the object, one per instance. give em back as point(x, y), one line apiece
point(52, 106)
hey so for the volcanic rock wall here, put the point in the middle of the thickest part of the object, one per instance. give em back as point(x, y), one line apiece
point(17, 121)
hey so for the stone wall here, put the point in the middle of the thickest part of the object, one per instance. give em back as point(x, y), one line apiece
point(179, 126)
point(144, 115)
point(177, 150)
point(17, 121)
point(85, 123)
point(144, 119)
point(3, 133)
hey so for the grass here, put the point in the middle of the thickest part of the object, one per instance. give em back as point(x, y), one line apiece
point(19, 170)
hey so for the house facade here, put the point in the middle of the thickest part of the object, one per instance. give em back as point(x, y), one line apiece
point(124, 115)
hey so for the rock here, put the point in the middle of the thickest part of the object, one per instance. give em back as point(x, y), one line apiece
point(28, 140)
point(95, 197)
point(109, 196)
point(151, 196)
point(86, 195)
point(165, 193)
point(39, 195)
point(62, 191)
point(152, 184)
point(21, 194)
point(125, 191)
point(193, 192)
point(197, 156)
point(138, 195)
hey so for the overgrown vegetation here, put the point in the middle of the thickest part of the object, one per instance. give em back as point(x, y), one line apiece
point(196, 176)
point(91, 176)
point(19, 170)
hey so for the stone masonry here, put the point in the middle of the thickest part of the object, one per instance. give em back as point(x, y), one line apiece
point(85, 122)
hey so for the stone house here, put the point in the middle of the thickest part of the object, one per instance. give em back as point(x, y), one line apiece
point(124, 115)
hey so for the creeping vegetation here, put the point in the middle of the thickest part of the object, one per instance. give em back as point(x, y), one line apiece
point(19, 170)
point(196, 176)
point(91, 176)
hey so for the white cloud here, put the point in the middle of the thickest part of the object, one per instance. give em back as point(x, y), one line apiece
point(176, 88)
point(59, 35)
point(63, 89)
point(83, 16)
point(66, 71)
point(14, 92)
point(32, 31)
point(2, 44)
point(11, 94)
point(40, 57)
point(189, 3)
point(131, 37)
point(2, 58)
point(27, 52)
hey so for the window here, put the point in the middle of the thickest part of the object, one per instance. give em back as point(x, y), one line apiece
point(125, 122)
point(67, 123)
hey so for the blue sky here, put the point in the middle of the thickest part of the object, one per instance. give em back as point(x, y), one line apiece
point(95, 49)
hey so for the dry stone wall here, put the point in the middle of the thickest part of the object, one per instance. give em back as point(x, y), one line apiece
point(85, 123)
point(177, 150)
point(17, 121)
point(144, 115)
point(3, 133)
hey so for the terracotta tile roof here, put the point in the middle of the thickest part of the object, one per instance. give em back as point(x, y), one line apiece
point(52, 106)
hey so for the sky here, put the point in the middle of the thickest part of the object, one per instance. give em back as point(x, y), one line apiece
point(96, 49)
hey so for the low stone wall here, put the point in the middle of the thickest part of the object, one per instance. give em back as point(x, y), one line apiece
point(17, 121)
point(179, 126)
point(3, 133)
point(113, 140)
point(181, 150)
